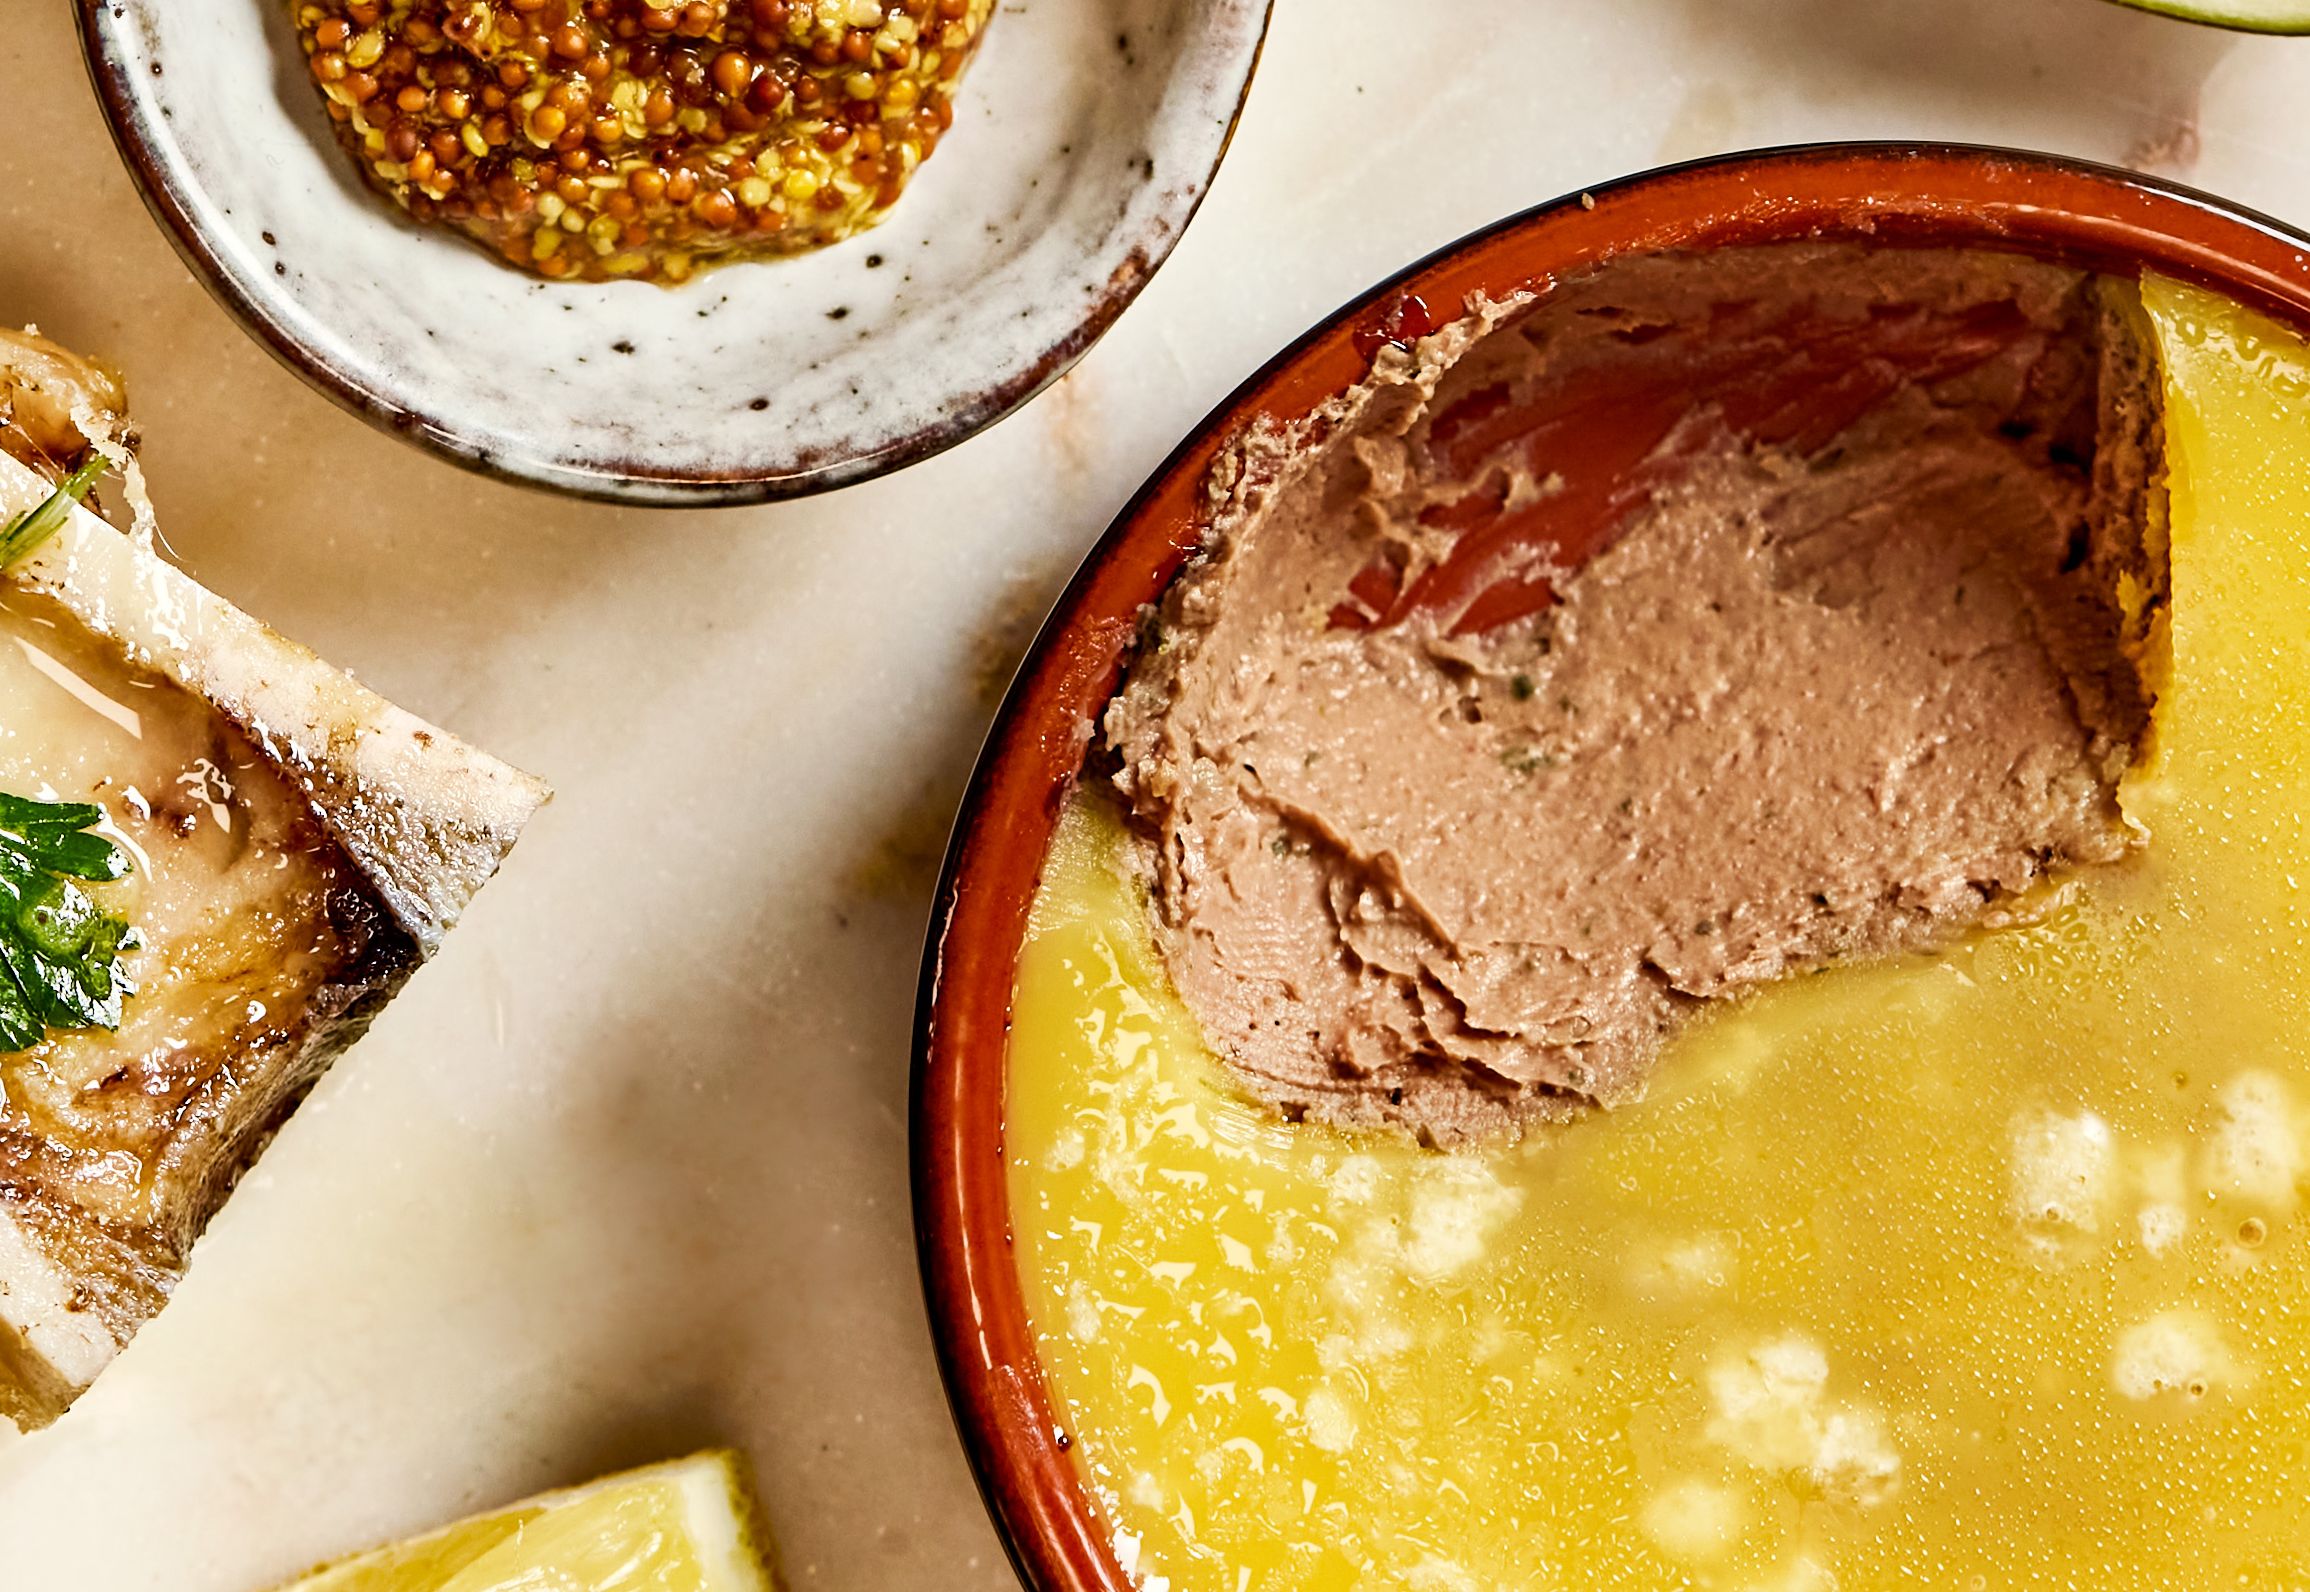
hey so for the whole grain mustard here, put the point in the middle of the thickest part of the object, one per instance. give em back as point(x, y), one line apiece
point(596, 140)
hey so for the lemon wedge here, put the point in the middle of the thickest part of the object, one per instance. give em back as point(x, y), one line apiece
point(684, 1526)
point(2248, 16)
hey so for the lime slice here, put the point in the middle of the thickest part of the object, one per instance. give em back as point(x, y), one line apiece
point(2251, 16)
point(685, 1526)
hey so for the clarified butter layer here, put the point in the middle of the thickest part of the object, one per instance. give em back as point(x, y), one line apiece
point(1985, 1270)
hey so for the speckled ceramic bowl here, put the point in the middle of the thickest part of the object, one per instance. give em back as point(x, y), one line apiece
point(1086, 134)
point(2093, 217)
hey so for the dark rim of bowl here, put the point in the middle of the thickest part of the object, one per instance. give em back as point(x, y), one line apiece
point(633, 484)
point(2099, 217)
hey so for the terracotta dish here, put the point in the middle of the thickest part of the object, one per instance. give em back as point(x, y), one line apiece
point(2084, 216)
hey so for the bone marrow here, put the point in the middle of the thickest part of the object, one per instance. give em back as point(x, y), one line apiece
point(296, 848)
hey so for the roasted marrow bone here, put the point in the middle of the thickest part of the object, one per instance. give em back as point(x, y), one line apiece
point(300, 845)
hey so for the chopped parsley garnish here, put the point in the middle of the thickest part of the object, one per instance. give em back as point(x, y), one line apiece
point(59, 950)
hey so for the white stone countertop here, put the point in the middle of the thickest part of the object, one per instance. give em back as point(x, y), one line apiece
point(624, 1173)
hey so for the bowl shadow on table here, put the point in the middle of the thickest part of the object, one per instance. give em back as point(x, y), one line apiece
point(772, 1300)
point(806, 1246)
point(1985, 57)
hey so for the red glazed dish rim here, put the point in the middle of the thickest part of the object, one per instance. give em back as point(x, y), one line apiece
point(2094, 217)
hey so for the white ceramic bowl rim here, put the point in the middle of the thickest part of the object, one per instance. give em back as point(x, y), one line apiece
point(1088, 132)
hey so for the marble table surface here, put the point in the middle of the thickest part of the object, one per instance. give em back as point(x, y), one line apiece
point(624, 1173)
